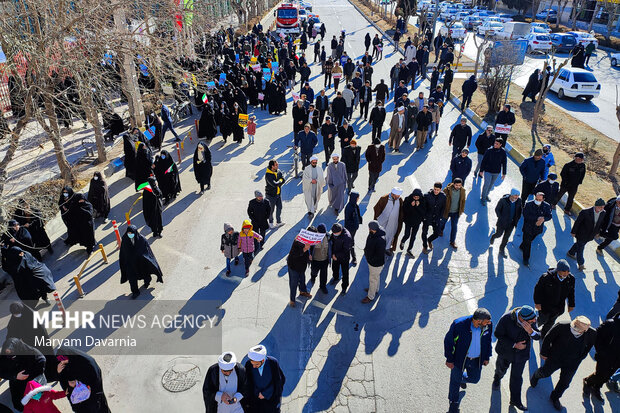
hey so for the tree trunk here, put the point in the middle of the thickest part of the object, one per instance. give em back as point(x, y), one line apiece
point(563, 5)
point(593, 16)
point(574, 14)
point(615, 161)
point(53, 130)
point(8, 157)
point(129, 77)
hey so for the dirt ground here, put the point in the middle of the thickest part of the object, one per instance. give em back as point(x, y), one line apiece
point(565, 134)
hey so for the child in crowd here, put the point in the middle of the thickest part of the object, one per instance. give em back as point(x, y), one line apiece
point(229, 246)
point(246, 244)
point(252, 128)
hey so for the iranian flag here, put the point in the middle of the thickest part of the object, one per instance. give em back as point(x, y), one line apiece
point(146, 186)
point(205, 99)
point(169, 169)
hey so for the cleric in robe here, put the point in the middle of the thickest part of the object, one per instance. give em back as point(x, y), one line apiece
point(265, 381)
point(390, 215)
point(313, 182)
point(336, 183)
point(137, 261)
point(225, 386)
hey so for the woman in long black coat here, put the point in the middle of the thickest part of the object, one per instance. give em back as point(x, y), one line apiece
point(99, 196)
point(18, 358)
point(32, 279)
point(532, 87)
point(207, 128)
point(77, 214)
point(75, 365)
point(202, 166)
point(137, 261)
point(225, 121)
point(31, 219)
point(167, 175)
point(129, 147)
point(237, 130)
point(152, 207)
point(154, 120)
point(144, 164)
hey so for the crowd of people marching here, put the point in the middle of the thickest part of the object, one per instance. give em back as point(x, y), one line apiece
point(259, 69)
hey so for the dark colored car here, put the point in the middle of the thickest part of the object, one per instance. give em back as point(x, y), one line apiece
point(551, 13)
point(562, 42)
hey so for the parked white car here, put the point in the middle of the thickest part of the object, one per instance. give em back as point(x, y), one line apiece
point(584, 38)
point(471, 22)
point(457, 30)
point(489, 28)
point(614, 58)
point(543, 26)
point(538, 30)
point(538, 43)
point(504, 18)
point(576, 83)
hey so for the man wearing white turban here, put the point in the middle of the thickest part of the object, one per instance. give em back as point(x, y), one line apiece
point(225, 385)
point(336, 182)
point(265, 381)
point(313, 182)
point(389, 213)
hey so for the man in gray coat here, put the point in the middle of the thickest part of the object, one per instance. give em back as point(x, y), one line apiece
point(336, 183)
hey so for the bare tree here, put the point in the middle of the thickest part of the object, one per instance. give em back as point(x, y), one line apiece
point(481, 45)
point(616, 158)
point(548, 81)
point(563, 4)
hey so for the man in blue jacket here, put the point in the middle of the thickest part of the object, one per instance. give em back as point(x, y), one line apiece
point(467, 347)
point(532, 170)
point(166, 118)
point(306, 140)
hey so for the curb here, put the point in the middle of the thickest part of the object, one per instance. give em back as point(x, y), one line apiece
point(514, 154)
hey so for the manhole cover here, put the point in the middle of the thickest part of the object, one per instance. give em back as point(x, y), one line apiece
point(180, 377)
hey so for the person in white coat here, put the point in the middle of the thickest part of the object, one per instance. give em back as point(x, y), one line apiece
point(410, 53)
point(313, 181)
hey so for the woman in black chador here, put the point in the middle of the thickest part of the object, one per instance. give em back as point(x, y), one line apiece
point(77, 214)
point(152, 206)
point(99, 196)
point(137, 261)
point(167, 175)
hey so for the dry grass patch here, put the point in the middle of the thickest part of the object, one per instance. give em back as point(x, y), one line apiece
point(565, 134)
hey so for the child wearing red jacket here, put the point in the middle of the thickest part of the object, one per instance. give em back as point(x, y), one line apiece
point(252, 128)
point(40, 399)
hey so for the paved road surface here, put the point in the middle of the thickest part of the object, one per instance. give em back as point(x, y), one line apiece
point(338, 355)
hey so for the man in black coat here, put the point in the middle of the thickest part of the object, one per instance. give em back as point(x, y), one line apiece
point(423, 121)
point(586, 227)
point(265, 381)
point(339, 108)
point(514, 331)
point(607, 357)
point(300, 117)
point(411, 112)
point(611, 224)
point(435, 205)
point(382, 91)
point(460, 166)
point(564, 348)
point(365, 96)
point(329, 132)
point(259, 210)
point(374, 251)
point(505, 118)
point(321, 104)
point(553, 289)
point(468, 89)
point(377, 118)
point(508, 211)
point(228, 366)
point(448, 78)
point(572, 176)
point(341, 244)
point(535, 213)
point(483, 142)
point(460, 137)
point(273, 189)
point(351, 158)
